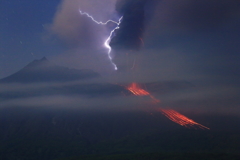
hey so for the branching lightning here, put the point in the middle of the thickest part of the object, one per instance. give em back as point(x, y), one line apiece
point(107, 41)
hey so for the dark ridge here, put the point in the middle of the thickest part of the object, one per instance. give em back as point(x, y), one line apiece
point(36, 62)
point(44, 71)
point(30, 133)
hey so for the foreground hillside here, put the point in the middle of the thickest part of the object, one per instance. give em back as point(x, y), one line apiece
point(159, 156)
point(53, 134)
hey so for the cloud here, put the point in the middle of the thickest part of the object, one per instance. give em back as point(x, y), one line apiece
point(75, 102)
point(129, 35)
point(98, 97)
point(143, 20)
point(189, 16)
point(93, 59)
point(152, 24)
point(169, 16)
point(76, 30)
point(72, 95)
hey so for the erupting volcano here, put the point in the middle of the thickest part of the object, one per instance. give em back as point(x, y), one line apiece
point(135, 89)
point(171, 114)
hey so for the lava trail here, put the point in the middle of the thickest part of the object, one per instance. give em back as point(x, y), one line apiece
point(138, 91)
point(181, 119)
point(171, 114)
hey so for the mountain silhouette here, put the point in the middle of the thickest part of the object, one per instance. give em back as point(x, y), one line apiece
point(73, 82)
point(58, 80)
point(44, 71)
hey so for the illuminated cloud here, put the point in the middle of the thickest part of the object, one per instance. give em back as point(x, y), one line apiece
point(76, 30)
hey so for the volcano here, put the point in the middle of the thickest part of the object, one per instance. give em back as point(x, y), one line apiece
point(44, 71)
point(54, 80)
point(59, 80)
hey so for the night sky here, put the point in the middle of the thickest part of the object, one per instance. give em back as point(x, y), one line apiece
point(164, 40)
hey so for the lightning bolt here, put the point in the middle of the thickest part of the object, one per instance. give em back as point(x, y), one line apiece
point(107, 41)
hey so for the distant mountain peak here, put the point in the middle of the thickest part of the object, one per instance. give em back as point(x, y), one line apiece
point(42, 70)
point(44, 59)
point(38, 63)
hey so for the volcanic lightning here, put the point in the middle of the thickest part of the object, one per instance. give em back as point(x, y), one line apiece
point(136, 90)
point(107, 41)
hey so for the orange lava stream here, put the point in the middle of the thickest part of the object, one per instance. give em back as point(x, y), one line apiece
point(136, 90)
point(181, 119)
point(169, 113)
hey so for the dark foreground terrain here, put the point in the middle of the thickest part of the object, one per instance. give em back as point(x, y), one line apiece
point(65, 134)
point(160, 156)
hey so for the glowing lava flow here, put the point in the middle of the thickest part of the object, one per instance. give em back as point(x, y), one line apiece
point(171, 114)
point(136, 90)
point(107, 41)
point(181, 119)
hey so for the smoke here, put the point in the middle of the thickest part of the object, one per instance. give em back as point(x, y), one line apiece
point(75, 30)
point(155, 17)
point(132, 26)
point(150, 25)
point(188, 17)
point(169, 17)
point(163, 24)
